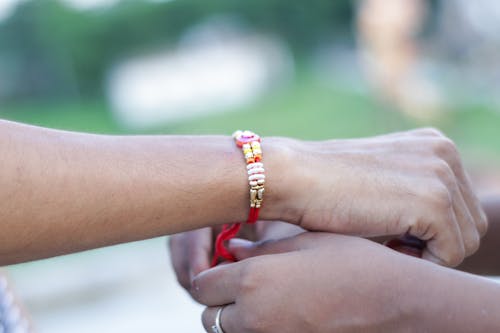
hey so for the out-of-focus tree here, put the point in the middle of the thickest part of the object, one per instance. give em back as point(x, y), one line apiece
point(49, 49)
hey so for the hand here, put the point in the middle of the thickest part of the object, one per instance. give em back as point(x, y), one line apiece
point(191, 251)
point(411, 182)
point(314, 282)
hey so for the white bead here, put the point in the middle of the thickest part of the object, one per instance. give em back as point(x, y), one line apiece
point(253, 183)
point(237, 134)
point(256, 170)
point(261, 181)
point(255, 165)
point(256, 177)
point(248, 155)
point(246, 146)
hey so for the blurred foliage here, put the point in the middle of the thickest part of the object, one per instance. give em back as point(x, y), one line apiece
point(50, 50)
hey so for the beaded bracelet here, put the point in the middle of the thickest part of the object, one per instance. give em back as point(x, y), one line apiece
point(249, 143)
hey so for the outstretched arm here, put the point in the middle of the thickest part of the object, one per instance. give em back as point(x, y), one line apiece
point(63, 192)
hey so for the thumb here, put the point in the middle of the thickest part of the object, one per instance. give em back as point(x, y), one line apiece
point(243, 249)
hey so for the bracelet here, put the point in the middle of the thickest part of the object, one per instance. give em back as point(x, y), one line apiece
point(249, 143)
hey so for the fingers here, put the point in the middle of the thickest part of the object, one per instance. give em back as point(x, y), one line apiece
point(199, 250)
point(244, 249)
point(473, 202)
point(276, 230)
point(228, 319)
point(465, 205)
point(223, 284)
point(446, 247)
point(449, 169)
point(219, 285)
point(449, 187)
point(446, 149)
point(467, 225)
point(190, 254)
point(436, 223)
point(178, 259)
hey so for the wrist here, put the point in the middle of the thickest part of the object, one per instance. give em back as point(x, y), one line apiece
point(301, 175)
point(439, 299)
point(278, 161)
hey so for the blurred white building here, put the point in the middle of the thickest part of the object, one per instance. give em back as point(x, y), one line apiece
point(215, 68)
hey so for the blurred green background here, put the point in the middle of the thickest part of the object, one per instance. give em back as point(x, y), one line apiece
point(54, 59)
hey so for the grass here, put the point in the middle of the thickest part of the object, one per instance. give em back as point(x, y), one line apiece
point(308, 109)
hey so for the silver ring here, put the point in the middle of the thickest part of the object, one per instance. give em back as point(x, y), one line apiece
point(217, 328)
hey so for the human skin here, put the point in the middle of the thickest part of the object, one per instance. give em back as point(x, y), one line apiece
point(64, 192)
point(191, 251)
point(317, 282)
point(365, 160)
point(486, 261)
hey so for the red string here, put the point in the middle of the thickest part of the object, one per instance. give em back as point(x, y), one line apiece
point(253, 216)
point(228, 232)
point(231, 230)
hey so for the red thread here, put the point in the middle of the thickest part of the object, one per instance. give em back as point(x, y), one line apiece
point(253, 216)
point(228, 232)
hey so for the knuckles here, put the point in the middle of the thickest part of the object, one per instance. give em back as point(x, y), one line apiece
point(446, 149)
point(483, 224)
point(472, 243)
point(251, 278)
point(454, 257)
point(443, 172)
point(440, 145)
point(429, 131)
point(421, 230)
point(439, 199)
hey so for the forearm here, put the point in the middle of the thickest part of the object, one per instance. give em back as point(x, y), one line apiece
point(64, 192)
point(452, 301)
point(486, 260)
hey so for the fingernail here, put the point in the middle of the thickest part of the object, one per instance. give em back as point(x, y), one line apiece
point(238, 243)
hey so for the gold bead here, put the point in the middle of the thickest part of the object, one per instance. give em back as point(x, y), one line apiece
point(260, 194)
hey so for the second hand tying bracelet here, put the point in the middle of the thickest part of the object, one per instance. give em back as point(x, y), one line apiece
point(249, 143)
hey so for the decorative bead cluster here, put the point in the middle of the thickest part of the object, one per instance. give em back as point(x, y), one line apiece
point(249, 142)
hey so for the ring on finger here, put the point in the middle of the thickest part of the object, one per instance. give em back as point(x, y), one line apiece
point(217, 327)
